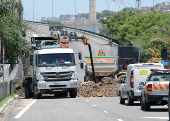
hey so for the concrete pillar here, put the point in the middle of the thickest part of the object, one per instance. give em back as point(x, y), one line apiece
point(92, 10)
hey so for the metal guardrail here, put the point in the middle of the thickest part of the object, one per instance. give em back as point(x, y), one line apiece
point(100, 35)
point(8, 88)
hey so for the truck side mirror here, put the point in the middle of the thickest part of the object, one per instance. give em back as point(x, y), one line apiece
point(81, 65)
point(80, 56)
point(31, 59)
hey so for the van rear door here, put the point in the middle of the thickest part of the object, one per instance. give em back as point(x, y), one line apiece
point(140, 75)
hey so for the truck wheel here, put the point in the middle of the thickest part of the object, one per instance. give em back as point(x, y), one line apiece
point(141, 103)
point(73, 93)
point(146, 106)
point(85, 79)
point(130, 100)
point(37, 96)
point(65, 94)
point(27, 90)
point(122, 101)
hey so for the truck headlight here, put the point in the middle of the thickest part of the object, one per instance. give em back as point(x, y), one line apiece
point(73, 84)
point(40, 77)
point(41, 85)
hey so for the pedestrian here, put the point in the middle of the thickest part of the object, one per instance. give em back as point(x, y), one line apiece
point(127, 63)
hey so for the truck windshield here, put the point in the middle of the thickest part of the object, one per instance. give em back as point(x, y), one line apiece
point(56, 59)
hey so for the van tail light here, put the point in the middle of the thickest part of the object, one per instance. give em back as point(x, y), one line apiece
point(149, 87)
point(131, 80)
point(118, 57)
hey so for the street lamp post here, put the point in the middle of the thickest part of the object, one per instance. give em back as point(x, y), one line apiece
point(75, 14)
point(52, 9)
point(33, 10)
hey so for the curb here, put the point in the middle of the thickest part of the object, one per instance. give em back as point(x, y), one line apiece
point(7, 103)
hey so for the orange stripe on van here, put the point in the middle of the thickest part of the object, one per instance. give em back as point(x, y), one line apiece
point(160, 86)
point(154, 86)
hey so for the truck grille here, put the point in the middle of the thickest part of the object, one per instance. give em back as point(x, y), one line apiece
point(57, 76)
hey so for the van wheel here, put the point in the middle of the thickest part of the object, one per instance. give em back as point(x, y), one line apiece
point(130, 100)
point(146, 106)
point(141, 103)
point(122, 101)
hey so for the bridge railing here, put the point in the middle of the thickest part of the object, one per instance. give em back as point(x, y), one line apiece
point(100, 35)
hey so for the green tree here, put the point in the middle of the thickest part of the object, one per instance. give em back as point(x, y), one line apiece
point(12, 29)
point(138, 30)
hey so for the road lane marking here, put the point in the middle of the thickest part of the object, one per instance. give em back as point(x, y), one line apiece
point(87, 101)
point(119, 119)
point(25, 109)
point(105, 112)
point(94, 105)
point(7, 66)
point(24, 104)
point(157, 117)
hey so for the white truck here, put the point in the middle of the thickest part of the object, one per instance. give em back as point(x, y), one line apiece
point(130, 90)
point(52, 70)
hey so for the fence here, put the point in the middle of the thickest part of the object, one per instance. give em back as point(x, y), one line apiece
point(8, 88)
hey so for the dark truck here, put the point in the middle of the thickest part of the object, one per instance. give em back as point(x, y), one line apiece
point(123, 55)
point(55, 27)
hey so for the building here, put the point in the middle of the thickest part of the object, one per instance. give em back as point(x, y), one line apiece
point(49, 19)
point(54, 19)
point(162, 6)
point(43, 19)
point(145, 9)
point(67, 18)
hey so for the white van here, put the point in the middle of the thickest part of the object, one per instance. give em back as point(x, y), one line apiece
point(130, 90)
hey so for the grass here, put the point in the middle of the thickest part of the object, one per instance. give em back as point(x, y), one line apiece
point(6, 100)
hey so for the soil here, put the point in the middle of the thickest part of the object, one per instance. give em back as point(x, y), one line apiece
point(108, 87)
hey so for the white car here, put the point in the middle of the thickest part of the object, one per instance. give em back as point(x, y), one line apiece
point(156, 88)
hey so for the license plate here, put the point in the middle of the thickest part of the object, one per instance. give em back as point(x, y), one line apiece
point(165, 98)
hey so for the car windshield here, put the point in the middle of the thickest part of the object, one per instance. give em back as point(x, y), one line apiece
point(160, 77)
point(56, 59)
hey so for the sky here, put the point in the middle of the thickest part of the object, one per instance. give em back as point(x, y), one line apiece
point(43, 8)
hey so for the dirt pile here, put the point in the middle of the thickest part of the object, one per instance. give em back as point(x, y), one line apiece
point(19, 89)
point(108, 87)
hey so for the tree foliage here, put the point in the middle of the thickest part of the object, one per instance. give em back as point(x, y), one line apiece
point(139, 29)
point(12, 30)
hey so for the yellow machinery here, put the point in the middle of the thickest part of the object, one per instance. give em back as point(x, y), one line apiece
point(86, 41)
point(101, 53)
point(154, 60)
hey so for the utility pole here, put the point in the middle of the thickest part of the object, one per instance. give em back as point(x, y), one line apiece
point(52, 9)
point(138, 5)
point(33, 10)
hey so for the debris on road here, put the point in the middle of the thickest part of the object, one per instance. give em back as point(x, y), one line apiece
point(108, 87)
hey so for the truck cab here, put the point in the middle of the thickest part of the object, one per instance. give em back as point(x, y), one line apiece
point(52, 70)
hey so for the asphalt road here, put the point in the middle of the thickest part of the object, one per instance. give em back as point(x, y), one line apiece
point(83, 109)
